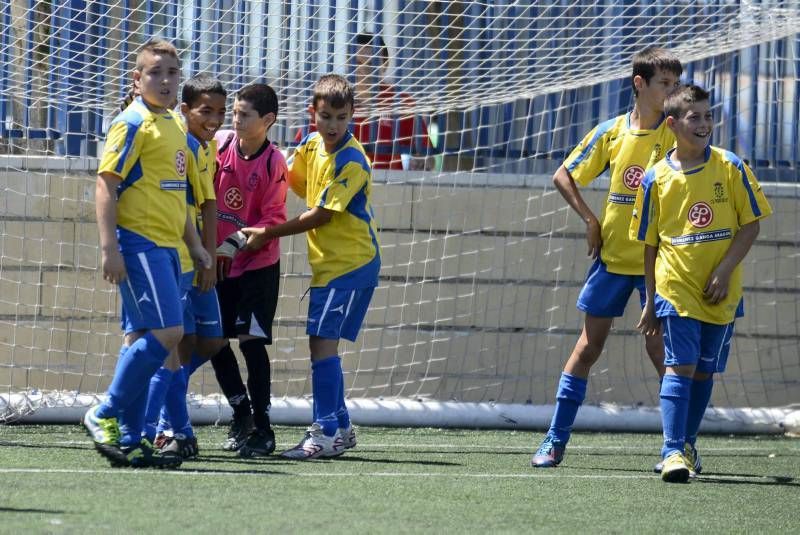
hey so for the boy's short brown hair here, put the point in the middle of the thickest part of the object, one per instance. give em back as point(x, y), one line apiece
point(679, 101)
point(334, 90)
point(647, 61)
point(159, 47)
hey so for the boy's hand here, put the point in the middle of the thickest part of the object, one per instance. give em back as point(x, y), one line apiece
point(716, 289)
point(649, 324)
point(593, 237)
point(207, 278)
point(227, 250)
point(256, 238)
point(202, 260)
point(113, 267)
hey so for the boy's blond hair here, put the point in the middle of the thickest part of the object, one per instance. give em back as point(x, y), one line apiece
point(334, 90)
point(159, 47)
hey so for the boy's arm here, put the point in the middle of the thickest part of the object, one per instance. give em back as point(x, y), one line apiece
point(649, 325)
point(716, 288)
point(566, 186)
point(207, 277)
point(106, 211)
point(196, 250)
point(313, 218)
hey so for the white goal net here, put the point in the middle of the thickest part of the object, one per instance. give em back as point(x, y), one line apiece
point(482, 260)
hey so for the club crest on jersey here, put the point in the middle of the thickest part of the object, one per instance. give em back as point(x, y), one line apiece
point(633, 177)
point(700, 215)
point(180, 162)
point(252, 182)
point(233, 198)
point(719, 193)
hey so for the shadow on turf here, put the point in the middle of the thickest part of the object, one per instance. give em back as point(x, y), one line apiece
point(752, 479)
point(87, 446)
point(21, 510)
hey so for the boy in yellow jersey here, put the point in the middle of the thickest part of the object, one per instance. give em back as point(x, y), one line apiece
point(330, 170)
point(698, 213)
point(203, 107)
point(142, 220)
point(627, 146)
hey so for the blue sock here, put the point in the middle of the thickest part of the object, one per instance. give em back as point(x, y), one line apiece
point(131, 420)
point(325, 379)
point(569, 396)
point(342, 416)
point(675, 392)
point(159, 384)
point(134, 369)
point(175, 405)
point(193, 364)
point(698, 401)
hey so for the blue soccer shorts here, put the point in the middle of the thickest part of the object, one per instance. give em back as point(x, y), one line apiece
point(206, 313)
point(690, 341)
point(186, 302)
point(151, 294)
point(337, 313)
point(605, 294)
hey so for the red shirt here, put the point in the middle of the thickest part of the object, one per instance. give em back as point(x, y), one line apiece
point(250, 193)
point(386, 136)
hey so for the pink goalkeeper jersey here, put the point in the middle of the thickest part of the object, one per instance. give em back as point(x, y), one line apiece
point(250, 193)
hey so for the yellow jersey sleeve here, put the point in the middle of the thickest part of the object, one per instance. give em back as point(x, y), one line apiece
point(298, 169)
point(591, 157)
point(121, 152)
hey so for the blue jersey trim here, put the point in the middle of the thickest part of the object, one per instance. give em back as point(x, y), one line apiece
point(134, 120)
point(601, 130)
point(671, 164)
point(133, 175)
point(647, 187)
point(133, 242)
point(345, 156)
point(740, 166)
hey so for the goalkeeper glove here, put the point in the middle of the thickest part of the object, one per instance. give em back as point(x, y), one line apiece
point(227, 250)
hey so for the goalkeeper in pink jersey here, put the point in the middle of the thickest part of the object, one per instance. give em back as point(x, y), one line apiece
point(250, 185)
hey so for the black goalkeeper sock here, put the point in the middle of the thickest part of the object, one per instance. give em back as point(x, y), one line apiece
point(230, 381)
point(258, 379)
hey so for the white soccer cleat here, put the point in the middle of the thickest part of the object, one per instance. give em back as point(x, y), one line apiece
point(348, 437)
point(316, 444)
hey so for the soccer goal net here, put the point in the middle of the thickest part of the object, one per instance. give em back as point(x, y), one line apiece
point(467, 109)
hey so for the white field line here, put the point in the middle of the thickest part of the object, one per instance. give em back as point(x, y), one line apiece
point(476, 447)
point(268, 473)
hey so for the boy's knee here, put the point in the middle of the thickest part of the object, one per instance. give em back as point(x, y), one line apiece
point(169, 337)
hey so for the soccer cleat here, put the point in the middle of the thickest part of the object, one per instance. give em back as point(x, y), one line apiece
point(161, 441)
point(238, 432)
point(105, 434)
point(180, 444)
point(348, 437)
point(260, 443)
point(692, 457)
point(675, 468)
point(316, 444)
point(549, 455)
point(142, 455)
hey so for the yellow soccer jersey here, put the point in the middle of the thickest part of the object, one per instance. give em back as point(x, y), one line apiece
point(627, 154)
point(149, 152)
point(692, 217)
point(343, 253)
point(200, 189)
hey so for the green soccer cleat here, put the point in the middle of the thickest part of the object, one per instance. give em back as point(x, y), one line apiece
point(142, 455)
point(675, 468)
point(105, 434)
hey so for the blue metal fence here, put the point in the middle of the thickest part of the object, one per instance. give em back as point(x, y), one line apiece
point(755, 89)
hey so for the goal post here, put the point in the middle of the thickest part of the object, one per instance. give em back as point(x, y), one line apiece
point(482, 259)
